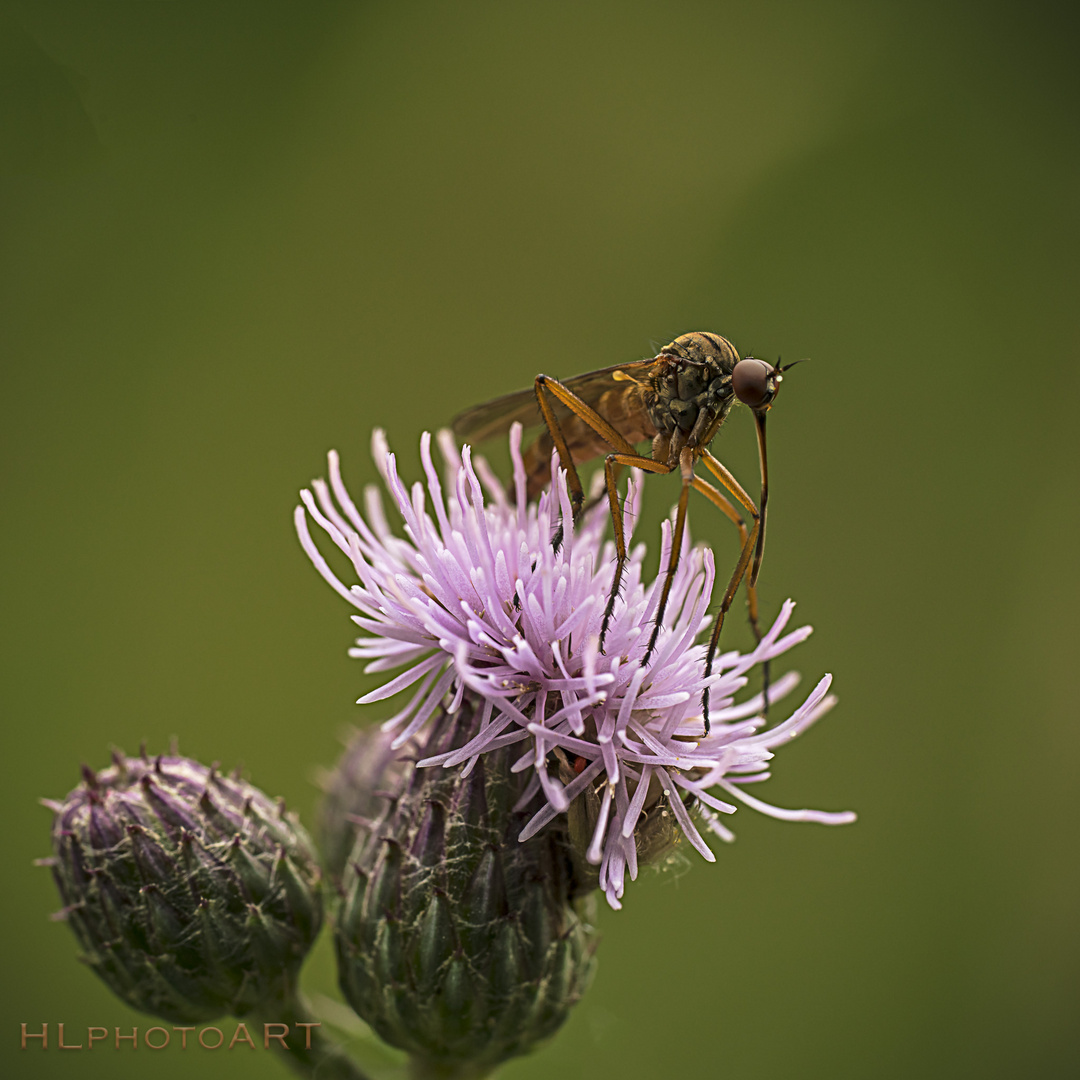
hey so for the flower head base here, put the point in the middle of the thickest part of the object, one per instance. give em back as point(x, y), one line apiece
point(455, 942)
point(474, 600)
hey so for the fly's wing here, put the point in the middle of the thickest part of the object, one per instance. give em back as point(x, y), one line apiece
point(495, 417)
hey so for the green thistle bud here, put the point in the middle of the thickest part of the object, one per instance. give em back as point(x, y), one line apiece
point(192, 893)
point(456, 942)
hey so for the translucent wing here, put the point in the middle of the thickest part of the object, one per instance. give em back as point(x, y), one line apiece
point(495, 417)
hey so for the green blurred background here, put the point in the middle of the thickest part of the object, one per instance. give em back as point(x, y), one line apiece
point(237, 235)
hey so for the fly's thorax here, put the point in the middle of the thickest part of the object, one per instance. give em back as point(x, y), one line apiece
point(690, 392)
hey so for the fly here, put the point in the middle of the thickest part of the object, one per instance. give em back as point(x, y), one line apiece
point(678, 399)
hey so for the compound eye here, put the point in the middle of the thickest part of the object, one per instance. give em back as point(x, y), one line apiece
point(750, 381)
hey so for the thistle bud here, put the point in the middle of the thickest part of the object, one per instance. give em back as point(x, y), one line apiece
point(455, 941)
point(192, 893)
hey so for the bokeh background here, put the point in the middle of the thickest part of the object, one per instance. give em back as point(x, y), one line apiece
point(237, 235)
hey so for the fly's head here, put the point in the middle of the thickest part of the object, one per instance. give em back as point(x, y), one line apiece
point(756, 382)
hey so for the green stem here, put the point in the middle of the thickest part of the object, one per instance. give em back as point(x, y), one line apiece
point(308, 1051)
point(425, 1069)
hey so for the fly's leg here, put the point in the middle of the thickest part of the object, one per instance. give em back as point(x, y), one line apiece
point(611, 463)
point(763, 464)
point(686, 468)
point(751, 543)
point(747, 539)
point(759, 549)
point(733, 515)
point(595, 501)
point(546, 388)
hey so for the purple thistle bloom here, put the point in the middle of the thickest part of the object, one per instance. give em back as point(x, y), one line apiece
point(474, 600)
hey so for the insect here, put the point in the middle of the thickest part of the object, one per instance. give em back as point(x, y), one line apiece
point(677, 399)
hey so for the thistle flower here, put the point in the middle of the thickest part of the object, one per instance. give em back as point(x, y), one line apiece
point(475, 601)
point(192, 893)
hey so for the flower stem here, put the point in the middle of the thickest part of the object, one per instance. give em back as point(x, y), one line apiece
point(308, 1051)
point(426, 1069)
